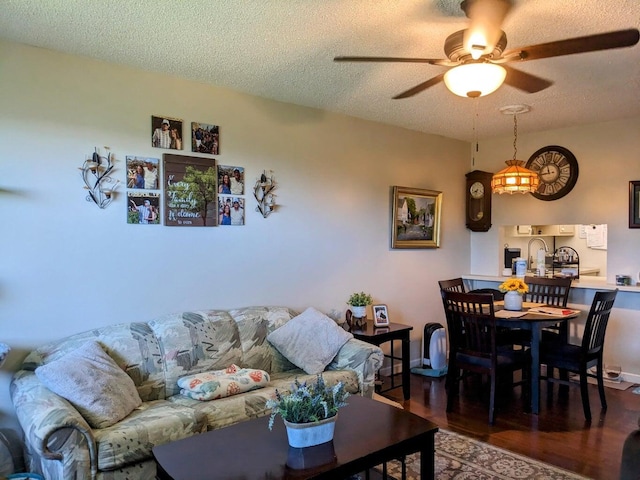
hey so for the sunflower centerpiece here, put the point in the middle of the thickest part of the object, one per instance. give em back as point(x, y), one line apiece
point(513, 290)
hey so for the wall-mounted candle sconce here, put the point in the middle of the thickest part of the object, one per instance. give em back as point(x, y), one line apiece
point(263, 189)
point(95, 173)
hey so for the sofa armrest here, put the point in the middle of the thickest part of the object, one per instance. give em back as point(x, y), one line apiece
point(365, 358)
point(53, 428)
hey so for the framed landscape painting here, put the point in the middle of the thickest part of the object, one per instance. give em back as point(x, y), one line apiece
point(415, 218)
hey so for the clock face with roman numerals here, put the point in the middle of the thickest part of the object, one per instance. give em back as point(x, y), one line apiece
point(557, 168)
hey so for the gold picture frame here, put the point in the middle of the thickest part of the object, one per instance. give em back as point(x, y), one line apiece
point(415, 218)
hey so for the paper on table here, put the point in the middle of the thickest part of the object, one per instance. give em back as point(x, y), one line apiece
point(510, 314)
point(532, 304)
point(558, 312)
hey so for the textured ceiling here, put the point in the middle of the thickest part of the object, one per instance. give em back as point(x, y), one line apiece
point(284, 49)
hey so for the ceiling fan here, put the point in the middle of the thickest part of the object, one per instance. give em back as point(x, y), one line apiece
point(477, 57)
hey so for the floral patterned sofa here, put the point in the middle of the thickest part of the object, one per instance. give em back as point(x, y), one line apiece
point(61, 444)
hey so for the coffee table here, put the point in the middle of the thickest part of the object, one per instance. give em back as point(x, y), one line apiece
point(367, 434)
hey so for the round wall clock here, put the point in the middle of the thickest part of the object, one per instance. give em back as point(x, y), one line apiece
point(557, 168)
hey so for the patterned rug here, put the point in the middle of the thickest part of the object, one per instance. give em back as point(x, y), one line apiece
point(463, 458)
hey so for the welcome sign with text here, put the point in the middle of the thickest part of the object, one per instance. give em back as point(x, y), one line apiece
point(190, 191)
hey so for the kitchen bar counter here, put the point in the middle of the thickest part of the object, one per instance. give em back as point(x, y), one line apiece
point(587, 282)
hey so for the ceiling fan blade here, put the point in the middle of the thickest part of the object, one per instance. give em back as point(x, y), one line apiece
point(485, 29)
point(525, 81)
point(421, 87)
point(588, 43)
point(432, 61)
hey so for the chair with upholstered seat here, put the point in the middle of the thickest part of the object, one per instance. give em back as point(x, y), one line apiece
point(580, 358)
point(471, 326)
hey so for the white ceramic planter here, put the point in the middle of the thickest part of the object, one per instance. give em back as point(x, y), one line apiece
point(359, 312)
point(512, 301)
point(309, 434)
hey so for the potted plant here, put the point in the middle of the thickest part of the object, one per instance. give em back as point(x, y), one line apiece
point(359, 302)
point(513, 290)
point(309, 411)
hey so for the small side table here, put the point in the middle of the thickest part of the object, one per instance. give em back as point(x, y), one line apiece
point(379, 335)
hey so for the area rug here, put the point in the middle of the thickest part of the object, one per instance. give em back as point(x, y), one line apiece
point(459, 457)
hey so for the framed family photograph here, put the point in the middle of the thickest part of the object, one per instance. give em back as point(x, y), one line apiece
point(205, 138)
point(143, 208)
point(230, 180)
point(142, 172)
point(634, 204)
point(415, 218)
point(380, 316)
point(166, 132)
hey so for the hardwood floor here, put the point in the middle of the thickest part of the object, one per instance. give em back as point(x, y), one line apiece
point(559, 435)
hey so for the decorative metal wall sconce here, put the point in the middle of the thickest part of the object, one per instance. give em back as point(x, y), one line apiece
point(263, 189)
point(95, 173)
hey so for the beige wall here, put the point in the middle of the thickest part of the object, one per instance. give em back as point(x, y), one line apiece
point(607, 155)
point(68, 266)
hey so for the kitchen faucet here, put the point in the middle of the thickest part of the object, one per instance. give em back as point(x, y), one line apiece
point(530, 261)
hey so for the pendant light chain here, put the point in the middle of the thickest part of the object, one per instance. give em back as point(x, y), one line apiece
point(475, 132)
point(516, 178)
point(515, 136)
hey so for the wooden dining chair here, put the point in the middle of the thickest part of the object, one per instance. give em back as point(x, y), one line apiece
point(554, 292)
point(452, 285)
point(506, 336)
point(580, 358)
point(471, 325)
point(457, 285)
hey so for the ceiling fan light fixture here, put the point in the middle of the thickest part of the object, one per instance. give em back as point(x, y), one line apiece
point(475, 79)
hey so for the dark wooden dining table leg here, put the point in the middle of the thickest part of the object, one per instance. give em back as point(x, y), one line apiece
point(536, 333)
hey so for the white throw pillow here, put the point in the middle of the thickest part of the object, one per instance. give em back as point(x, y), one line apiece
point(93, 382)
point(310, 341)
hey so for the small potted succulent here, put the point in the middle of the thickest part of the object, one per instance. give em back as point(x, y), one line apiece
point(359, 302)
point(309, 411)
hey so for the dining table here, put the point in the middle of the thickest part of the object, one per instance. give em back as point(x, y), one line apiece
point(533, 317)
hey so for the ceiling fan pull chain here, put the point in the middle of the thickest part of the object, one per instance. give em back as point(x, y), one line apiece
point(475, 131)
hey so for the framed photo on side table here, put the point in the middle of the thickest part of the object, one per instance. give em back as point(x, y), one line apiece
point(380, 316)
point(634, 204)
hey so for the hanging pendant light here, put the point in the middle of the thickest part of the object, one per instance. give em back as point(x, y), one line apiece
point(515, 178)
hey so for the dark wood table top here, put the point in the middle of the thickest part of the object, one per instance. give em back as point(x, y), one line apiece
point(369, 330)
point(367, 433)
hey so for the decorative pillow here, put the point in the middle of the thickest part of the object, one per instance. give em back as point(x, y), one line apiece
point(92, 381)
point(310, 341)
point(222, 383)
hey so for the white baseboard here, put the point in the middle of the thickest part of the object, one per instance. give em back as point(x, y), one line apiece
point(417, 362)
